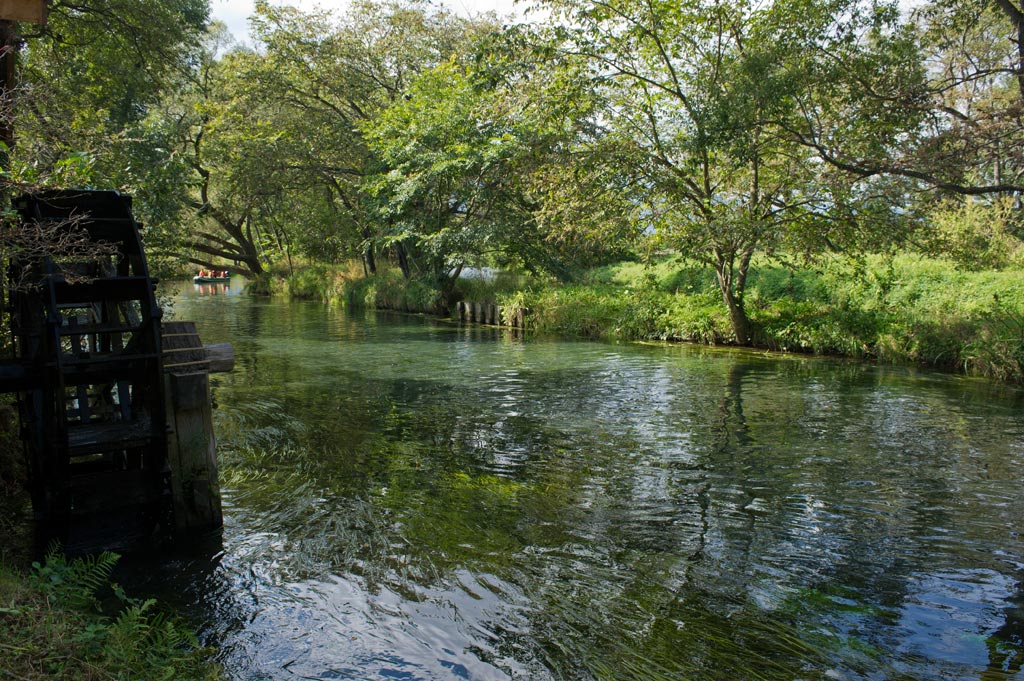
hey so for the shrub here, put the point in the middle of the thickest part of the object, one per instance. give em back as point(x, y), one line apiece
point(977, 235)
point(576, 311)
point(997, 349)
point(700, 318)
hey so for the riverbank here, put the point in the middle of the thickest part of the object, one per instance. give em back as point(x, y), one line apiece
point(52, 623)
point(895, 309)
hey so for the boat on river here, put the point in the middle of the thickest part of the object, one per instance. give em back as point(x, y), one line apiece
point(204, 279)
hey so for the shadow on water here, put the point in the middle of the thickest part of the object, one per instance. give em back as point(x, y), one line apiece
point(411, 499)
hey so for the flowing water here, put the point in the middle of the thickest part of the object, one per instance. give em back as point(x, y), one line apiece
point(408, 499)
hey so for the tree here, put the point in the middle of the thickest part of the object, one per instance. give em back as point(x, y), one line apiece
point(336, 73)
point(92, 74)
point(489, 158)
point(577, 209)
point(701, 110)
point(444, 187)
point(223, 141)
point(934, 100)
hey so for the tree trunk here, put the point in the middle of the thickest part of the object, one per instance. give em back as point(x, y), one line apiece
point(369, 261)
point(1015, 14)
point(738, 317)
point(403, 261)
point(732, 282)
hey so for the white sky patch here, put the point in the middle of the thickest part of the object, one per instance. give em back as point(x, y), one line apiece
point(235, 13)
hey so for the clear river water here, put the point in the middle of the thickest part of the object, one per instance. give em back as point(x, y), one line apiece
point(409, 499)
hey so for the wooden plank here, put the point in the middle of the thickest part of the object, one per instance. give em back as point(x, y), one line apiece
point(192, 453)
point(182, 346)
point(221, 357)
point(32, 11)
point(102, 437)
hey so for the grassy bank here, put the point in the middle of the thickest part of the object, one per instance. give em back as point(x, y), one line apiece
point(901, 309)
point(904, 309)
point(52, 625)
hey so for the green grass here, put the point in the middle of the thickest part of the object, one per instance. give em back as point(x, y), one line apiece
point(902, 309)
point(906, 308)
point(52, 626)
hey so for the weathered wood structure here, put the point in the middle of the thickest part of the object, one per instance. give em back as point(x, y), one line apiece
point(117, 431)
point(491, 314)
point(192, 450)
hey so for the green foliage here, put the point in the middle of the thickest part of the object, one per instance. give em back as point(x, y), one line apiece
point(389, 290)
point(576, 311)
point(496, 287)
point(448, 186)
point(314, 282)
point(977, 235)
point(902, 309)
point(52, 627)
point(698, 318)
point(89, 81)
point(807, 326)
point(997, 347)
point(76, 582)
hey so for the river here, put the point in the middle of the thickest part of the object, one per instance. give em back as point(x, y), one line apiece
point(409, 499)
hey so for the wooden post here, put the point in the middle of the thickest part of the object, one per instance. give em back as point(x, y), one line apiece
point(192, 447)
point(32, 11)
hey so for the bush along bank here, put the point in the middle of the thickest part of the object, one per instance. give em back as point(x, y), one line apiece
point(894, 309)
point(348, 285)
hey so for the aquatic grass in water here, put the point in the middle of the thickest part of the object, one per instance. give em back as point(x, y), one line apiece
point(411, 498)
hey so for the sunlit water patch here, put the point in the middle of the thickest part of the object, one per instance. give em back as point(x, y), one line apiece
point(408, 499)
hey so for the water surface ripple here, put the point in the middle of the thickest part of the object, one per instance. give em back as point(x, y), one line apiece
point(407, 499)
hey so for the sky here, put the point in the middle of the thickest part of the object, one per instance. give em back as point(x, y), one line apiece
point(234, 13)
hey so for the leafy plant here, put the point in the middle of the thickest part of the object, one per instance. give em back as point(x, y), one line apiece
point(74, 582)
point(52, 626)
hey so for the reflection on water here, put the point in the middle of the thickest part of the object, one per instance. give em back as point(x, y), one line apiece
point(409, 499)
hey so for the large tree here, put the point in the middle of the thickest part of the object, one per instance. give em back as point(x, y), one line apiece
point(335, 73)
point(225, 141)
point(93, 72)
point(486, 159)
point(703, 110)
point(934, 98)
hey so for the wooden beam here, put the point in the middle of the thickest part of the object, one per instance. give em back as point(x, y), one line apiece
point(32, 11)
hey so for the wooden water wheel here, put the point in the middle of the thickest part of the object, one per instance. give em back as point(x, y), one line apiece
point(92, 398)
